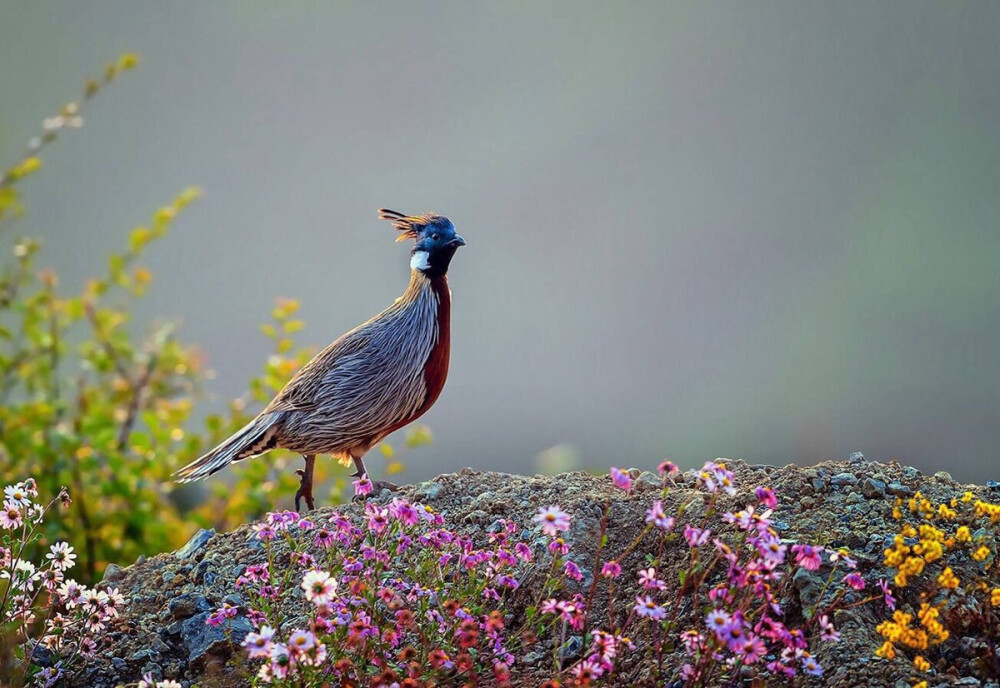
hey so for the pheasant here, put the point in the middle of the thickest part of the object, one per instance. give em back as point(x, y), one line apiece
point(373, 380)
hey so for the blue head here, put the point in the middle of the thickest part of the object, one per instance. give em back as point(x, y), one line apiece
point(435, 240)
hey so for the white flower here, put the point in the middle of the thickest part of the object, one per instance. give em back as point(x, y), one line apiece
point(17, 494)
point(320, 588)
point(10, 515)
point(62, 556)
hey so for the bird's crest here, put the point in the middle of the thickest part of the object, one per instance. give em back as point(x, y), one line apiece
point(409, 225)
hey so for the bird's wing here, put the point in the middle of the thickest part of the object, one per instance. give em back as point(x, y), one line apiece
point(302, 393)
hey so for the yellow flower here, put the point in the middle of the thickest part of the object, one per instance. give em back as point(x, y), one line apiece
point(995, 597)
point(921, 684)
point(948, 579)
point(963, 534)
point(921, 664)
point(887, 651)
point(981, 553)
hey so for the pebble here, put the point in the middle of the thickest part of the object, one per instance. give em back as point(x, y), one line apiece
point(427, 491)
point(195, 544)
point(113, 574)
point(842, 479)
point(944, 475)
point(993, 485)
point(873, 488)
point(899, 489)
point(856, 457)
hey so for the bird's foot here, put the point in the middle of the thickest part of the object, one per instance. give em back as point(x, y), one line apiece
point(305, 491)
point(376, 489)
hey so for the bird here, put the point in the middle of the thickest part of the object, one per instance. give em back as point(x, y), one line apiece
point(370, 382)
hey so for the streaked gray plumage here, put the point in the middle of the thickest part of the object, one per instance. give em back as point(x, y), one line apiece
point(371, 381)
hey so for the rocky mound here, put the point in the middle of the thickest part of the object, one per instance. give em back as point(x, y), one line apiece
point(162, 630)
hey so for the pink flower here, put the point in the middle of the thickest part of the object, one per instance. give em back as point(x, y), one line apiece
point(362, 486)
point(522, 551)
point(750, 649)
point(718, 621)
point(611, 569)
point(646, 607)
point(715, 475)
point(553, 519)
point(300, 642)
point(808, 557)
point(319, 587)
point(657, 516)
point(811, 666)
point(573, 571)
point(621, 479)
point(10, 515)
point(855, 580)
point(828, 632)
point(649, 581)
point(668, 468)
point(696, 537)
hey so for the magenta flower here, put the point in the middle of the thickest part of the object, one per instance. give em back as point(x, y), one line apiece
point(890, 601)
point(647, 607)
point(553, 519)
point(766, 496)
point(621, 479)
point(611, 569)
point(573, 571)
point(522, 551)
point(855, 580)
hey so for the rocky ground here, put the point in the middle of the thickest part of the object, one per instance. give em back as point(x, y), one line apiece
point(839, 504)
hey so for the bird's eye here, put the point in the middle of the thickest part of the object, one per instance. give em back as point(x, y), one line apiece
point(435, 237)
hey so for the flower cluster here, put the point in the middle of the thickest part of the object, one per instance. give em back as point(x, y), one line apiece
point(735, 580)
point(934, 543)
point(53, 613)
point(393, 598)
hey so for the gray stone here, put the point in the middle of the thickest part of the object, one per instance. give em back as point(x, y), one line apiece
point(854, 498)
point(195, 544)
point(967, 681)
point(533, 658)
point(856, 457)
point(945, 475)
point(571, 649)
point(648, 481)
point(819, 484)
point(842, 479)
point(427, 490)
point(873, 488)
point(899, 489)
point(807, 502)
point(994, 485)
point(809, 586)
point(113, 574)
point(184, 606)
point(201, 640)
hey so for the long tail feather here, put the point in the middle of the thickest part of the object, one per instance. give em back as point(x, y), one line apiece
point(256, 437)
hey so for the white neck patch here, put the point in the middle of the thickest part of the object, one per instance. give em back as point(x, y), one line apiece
point(420, 261)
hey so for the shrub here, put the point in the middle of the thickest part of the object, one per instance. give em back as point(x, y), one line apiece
point(934, 543)
point(86, 402)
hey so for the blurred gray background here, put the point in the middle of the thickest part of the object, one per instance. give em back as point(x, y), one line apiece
point(761, 230)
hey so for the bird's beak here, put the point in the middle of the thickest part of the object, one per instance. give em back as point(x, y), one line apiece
point(457, 241)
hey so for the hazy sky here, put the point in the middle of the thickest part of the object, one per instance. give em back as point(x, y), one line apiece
point(761, 230)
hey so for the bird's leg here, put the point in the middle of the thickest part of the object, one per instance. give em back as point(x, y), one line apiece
point(377, 485)
point(306, 483)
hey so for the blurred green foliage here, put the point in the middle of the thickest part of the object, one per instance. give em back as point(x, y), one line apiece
point(86, 403)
